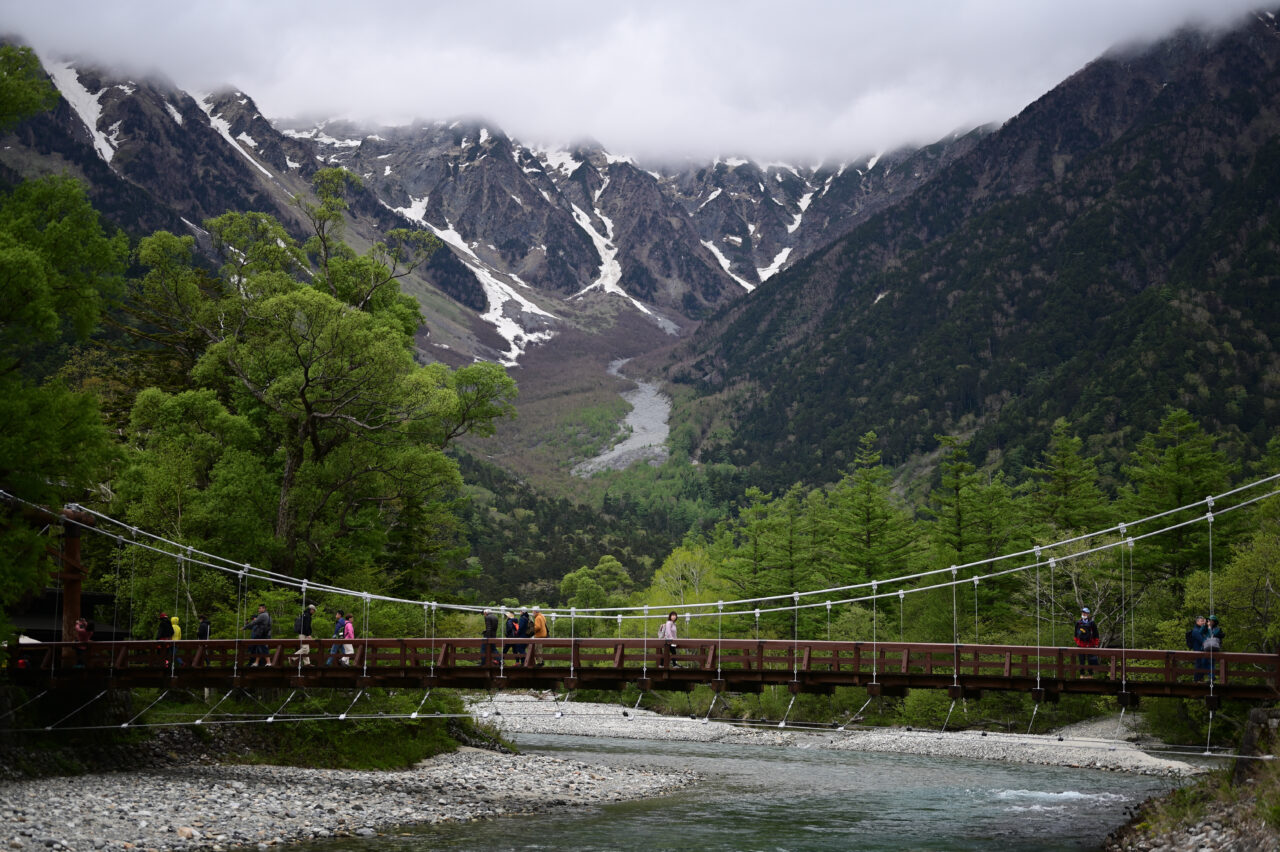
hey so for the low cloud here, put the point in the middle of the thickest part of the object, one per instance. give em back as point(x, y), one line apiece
point(768, 80)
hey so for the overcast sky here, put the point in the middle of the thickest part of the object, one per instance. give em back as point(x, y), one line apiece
point(787, 79)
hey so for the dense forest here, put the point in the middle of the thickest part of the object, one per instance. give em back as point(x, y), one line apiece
point(1108, 253)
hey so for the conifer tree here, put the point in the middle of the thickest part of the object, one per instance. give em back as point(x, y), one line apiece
point(1066, 493)
point(872, 536)
point(1174, 466)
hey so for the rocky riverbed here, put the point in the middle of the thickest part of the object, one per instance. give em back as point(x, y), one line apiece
point(221, 807)
point(1091, 746)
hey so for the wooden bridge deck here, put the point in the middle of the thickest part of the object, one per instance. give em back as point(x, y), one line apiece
point(735, 665)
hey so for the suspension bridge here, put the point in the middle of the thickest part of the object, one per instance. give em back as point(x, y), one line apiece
point(800, 664)
point(733, 665)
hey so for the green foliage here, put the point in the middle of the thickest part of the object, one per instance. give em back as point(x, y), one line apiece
point(57, 271)
point(606, 584)
point(1176, 465)
point(24, 88)
point(297, 431)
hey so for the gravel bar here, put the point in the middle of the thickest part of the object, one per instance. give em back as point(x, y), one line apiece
point(1086, 746)
point(225, 806)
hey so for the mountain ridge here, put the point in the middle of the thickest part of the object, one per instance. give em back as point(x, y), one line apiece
point(1048, 272)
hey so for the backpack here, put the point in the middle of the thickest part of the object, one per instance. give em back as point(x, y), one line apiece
point(297, 624)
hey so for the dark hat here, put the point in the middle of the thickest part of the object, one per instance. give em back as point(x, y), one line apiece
point(1213, 618)
point(162, 615)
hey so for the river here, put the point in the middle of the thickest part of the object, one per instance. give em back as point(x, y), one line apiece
point(770, 798)
point(648, 430)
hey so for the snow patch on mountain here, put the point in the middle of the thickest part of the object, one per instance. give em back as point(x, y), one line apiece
point(558, 161)
point(497, 292)
point(173, 112)
point(416, 210)
point(772, 269)
point(610, 269)
point(803, 204)
point(83, 102)
point(724, 264)
point(224, 130)
point(317, 134)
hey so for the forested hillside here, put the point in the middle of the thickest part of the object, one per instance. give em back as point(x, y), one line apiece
point(1107, 253)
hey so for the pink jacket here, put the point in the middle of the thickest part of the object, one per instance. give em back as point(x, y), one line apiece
point(348, 631)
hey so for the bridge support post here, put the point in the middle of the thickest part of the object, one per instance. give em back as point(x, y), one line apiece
point(717, 685)
point(1040, 696)
point(1213, 702)
point(644, 684)
point(1127, 699)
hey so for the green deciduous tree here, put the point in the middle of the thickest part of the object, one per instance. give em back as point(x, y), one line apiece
point(57, 269)
point(345, 465)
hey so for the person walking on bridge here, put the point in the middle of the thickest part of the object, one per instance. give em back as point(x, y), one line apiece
point(1213, 638)
point(348, 637)
point(164, 639)
point(203, 631)
point(259, 628)
point(667, 635)
point(488, 648)
point(511, 629)
point(339, 629)
point(1086, 636)
point(1195, 642)
point(177, 637)
point(524, 629)
point(302, 625)
point(539, 629)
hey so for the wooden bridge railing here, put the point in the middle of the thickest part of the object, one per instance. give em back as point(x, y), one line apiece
point(734, 664)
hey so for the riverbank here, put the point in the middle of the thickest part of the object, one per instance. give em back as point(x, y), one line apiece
point(223, 806)
point(1080, 747)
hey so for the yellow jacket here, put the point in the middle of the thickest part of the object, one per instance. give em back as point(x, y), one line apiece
point(539, 625)
point(177, 631)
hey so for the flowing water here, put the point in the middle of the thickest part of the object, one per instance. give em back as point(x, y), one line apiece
point(769, 798)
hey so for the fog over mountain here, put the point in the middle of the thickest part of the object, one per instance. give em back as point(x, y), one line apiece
point(801, 81)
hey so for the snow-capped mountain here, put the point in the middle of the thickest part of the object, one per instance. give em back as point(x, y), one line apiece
point(536, 237)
